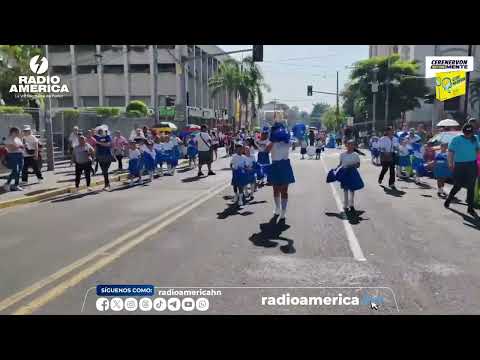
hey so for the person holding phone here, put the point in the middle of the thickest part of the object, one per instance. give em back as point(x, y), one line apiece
point(82, 157)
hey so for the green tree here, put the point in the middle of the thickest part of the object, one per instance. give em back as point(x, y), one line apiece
point(15, 62)
point(330, 121)
point(254, 82)
point(138, 106)
point(405, 91)
point(475, 94)
point(319, 109)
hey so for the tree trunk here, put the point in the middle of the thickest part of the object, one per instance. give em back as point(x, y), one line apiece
point(247, 123)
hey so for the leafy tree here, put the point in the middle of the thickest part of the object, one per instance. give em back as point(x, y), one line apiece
point(319, 109)
point(330, 121)
point(405, 92)
point(139, 106)
point(15, 62)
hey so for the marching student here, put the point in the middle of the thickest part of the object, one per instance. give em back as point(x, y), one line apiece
point(159, 155)
point(192, 152)
point(175, 154)
point(263, 157)
point(134, 163)
point(441, 170)
point(375, 150)
point(403, 158)
point(417, 160)
point(280, 171)
point(388, 146)
point(349, 176)
point(319, 147)
point(149, 157)
point(250, 162)
point(239, 175)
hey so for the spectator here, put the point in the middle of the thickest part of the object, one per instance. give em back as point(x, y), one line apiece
point(31, 154)
point(387, 146)
point(462, 161)
point(90, 139)
point(119, 146)
point(204, 145)
point(104, 155)
point(14, 159)
point(73, 141)
point(83, 157)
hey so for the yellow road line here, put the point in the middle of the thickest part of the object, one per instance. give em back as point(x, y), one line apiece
point(15, 298)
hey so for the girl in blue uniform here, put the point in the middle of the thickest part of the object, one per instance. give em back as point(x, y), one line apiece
point(251, 164)
point(134, 163)
point(403, 158)
point(263, 157)
point(280, 172)
point(192, 152)
point(159, 155)
point(441, 170)
point(149, 156)
point(417, 160)
point(239, 174)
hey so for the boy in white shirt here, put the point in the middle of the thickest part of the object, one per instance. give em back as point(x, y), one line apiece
point(238, 165)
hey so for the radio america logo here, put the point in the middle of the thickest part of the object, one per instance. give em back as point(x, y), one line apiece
point(39, 84)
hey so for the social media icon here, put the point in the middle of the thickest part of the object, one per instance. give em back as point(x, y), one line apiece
point(116, 304)
point(145, 304)
point(202, 304)
point(131, 304)
point(173, 304)
point(102, 304)
point(160, 304)
point(188, 304)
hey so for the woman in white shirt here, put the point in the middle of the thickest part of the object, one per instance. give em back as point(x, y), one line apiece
point(14, 159)
point(280, 172)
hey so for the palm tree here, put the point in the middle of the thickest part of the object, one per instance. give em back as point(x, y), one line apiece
point(255, 84)
point(227, 77)
point(475, 94)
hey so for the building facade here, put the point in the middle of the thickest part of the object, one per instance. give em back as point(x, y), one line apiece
point(114, 75)
point(431, 113)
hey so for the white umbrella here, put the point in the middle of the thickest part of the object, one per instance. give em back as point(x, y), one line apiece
point(447, 123)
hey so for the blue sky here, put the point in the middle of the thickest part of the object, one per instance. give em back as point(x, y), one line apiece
point(288, 69)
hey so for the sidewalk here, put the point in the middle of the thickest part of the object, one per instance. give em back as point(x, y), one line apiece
point(57, 182)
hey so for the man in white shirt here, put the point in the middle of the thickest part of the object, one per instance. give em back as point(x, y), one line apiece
point(387, 146)
point(30, 155)
point(204, 144)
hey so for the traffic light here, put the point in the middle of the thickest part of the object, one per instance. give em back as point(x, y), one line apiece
point(429, 99)
point(309, 90)
point(257, 53)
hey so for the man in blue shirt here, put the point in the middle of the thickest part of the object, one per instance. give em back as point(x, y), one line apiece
point(462, 161)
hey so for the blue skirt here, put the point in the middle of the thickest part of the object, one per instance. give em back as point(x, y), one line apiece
point(281, 173)
point(239, 178)
point(404, 160)
point(263, 157)
point(350, 179)
point(417, 164)
point(251, 174)
point(134, 167)
point(375, 152)
point(441, 170)
point(149, 163)
point(192, 152)
point(160, 157)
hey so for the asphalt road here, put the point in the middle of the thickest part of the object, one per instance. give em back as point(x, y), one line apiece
point(404, 248)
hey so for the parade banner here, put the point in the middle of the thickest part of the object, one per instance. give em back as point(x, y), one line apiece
point(450, 85)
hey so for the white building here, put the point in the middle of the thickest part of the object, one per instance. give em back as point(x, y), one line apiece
point(113, 75)
point(428, 112)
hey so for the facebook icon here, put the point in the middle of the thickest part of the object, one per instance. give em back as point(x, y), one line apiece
point(102, 304)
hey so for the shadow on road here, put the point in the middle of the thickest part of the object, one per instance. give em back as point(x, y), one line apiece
point(470, 220)
point(183, 170)
point(73, 197)
point(193, 179)
point(225, 169)
point(232, 210)
point(391, 192)
point(353, 219)
point(272, 231)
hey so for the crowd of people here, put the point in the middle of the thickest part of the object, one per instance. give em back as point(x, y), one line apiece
point(410, 153)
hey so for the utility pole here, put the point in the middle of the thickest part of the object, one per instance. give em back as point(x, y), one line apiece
point(467, 84)
point(155, 83)
point(337, 112)
point(49, 125)
point(387, 89)
point(374, 91)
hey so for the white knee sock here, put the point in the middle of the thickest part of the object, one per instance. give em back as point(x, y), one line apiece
point(276, 199)
point(284, 208)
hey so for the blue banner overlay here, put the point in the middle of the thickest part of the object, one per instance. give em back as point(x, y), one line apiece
point(125, 290)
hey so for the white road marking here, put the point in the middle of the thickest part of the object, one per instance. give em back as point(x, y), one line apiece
point(352, 238)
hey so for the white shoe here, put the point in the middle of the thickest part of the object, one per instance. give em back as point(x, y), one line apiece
point(106, 188)
point(276, 212)
point(6, 187)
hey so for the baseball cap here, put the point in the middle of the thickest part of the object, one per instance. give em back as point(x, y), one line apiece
point(27, 128)
point(467, 128)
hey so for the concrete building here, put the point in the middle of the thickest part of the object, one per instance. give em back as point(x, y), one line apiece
point(431, 113)
point(113, 75)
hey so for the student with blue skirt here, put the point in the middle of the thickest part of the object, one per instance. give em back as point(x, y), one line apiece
point(134, 163)
point(239, 174)
point(263, 157)
point(280, 172)
point(441, 170)
point(192, 152)
point(149, 156)
point(348, 176)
